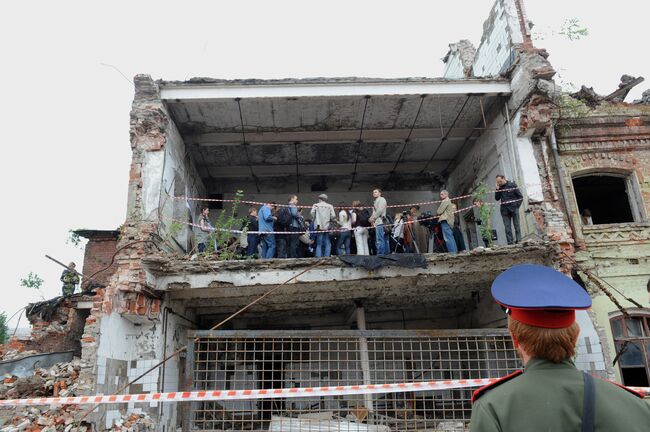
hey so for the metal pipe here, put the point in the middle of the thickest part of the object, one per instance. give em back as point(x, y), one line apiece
point(560, 172)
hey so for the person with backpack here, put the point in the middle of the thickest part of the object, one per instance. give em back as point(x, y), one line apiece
point(285, 242)
point(323, 214)
point(265, 220)
point(359, 217)
point(297, 226)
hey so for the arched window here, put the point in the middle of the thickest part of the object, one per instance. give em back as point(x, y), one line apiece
point(632, 341)
point(606, 198)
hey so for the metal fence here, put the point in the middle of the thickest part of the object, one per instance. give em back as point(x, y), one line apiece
point(240, 360)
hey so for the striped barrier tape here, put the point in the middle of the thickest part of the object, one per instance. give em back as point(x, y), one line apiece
point(294, 392)
point(418, 204)
point(236, 231)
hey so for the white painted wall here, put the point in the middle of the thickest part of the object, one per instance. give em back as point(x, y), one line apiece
point(531, 181)
point(495, 48)
point(454, 67)
point(180, 178)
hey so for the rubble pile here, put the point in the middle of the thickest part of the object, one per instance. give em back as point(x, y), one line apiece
point(133, 423)
point(40, 419)
point(15, 354)
point(59, 380)
point(62, 419)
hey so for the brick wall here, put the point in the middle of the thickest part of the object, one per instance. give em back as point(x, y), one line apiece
point(97, 258)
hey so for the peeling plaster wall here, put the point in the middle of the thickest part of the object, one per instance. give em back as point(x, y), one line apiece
point(493, 154)
point(125, 351)
point(179, 178)
point(500, 31)
point(612, 138)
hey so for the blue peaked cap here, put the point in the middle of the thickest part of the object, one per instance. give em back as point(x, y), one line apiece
point(533, 286)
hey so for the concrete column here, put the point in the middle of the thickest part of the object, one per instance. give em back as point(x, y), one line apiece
point(363, 354)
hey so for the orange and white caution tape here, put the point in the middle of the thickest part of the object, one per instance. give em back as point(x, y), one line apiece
point(293, 392)
point(219, 395)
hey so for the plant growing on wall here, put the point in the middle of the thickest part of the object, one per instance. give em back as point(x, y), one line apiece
point(479, 195)
point(4, 330)
point(73, 239)
point(225, 242)
point(33, 281)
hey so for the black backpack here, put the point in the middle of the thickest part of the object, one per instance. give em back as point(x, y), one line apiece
point(363, 218)
point(388, 223)
point(284, 217)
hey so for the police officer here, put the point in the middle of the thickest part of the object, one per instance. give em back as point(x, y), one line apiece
point(550, 394)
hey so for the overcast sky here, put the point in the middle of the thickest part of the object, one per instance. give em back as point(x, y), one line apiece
point(65, 114)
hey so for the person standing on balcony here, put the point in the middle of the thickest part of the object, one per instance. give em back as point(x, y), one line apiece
point(204, 229)
point(445, 214)
point(510, 196)
point(322, 213)
point(252, 238)
point(297, 225)
point(265, 220)
point(550, 394)
point(377, 220)
point(360, 218)
point(345, 222)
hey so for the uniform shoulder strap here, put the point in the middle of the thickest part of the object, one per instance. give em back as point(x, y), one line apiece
point(588, 403)
point(481, 391)
point(629, 390)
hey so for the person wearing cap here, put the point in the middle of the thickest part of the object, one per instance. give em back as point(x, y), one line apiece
point(550, 394)
point(322, 212)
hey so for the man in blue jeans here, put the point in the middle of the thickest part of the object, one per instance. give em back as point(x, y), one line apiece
point(322, 212)
point(377, 219)
point(265, 221)
point(445, 214)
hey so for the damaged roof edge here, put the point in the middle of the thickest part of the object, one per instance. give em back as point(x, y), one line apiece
point(207, 88)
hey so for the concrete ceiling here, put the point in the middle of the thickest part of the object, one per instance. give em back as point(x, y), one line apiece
point(340, 134)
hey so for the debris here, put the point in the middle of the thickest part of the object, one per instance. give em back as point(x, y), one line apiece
point(626, 84)
point(645, 98)
point(58, 380)
point(588, 96)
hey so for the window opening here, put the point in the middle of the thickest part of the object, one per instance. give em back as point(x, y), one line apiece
point(603, 199)
point(632, 341)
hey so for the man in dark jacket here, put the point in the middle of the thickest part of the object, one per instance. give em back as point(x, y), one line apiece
point(252, 238)
point(510, 196)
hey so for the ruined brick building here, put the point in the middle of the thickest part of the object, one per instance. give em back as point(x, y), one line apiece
point(496, 110)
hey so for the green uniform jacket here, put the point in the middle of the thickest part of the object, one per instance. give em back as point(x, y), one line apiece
point(549, 397)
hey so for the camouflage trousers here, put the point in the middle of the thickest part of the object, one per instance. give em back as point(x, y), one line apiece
point(68, 289)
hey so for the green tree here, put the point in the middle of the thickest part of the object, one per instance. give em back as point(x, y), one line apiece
point(226, 241)
point(4, 330)
point(33, 281)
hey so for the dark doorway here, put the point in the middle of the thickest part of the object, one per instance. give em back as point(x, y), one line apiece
point(604, 197)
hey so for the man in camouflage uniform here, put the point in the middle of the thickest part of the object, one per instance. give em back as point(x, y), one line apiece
point(70, 279)
point(550, 394)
